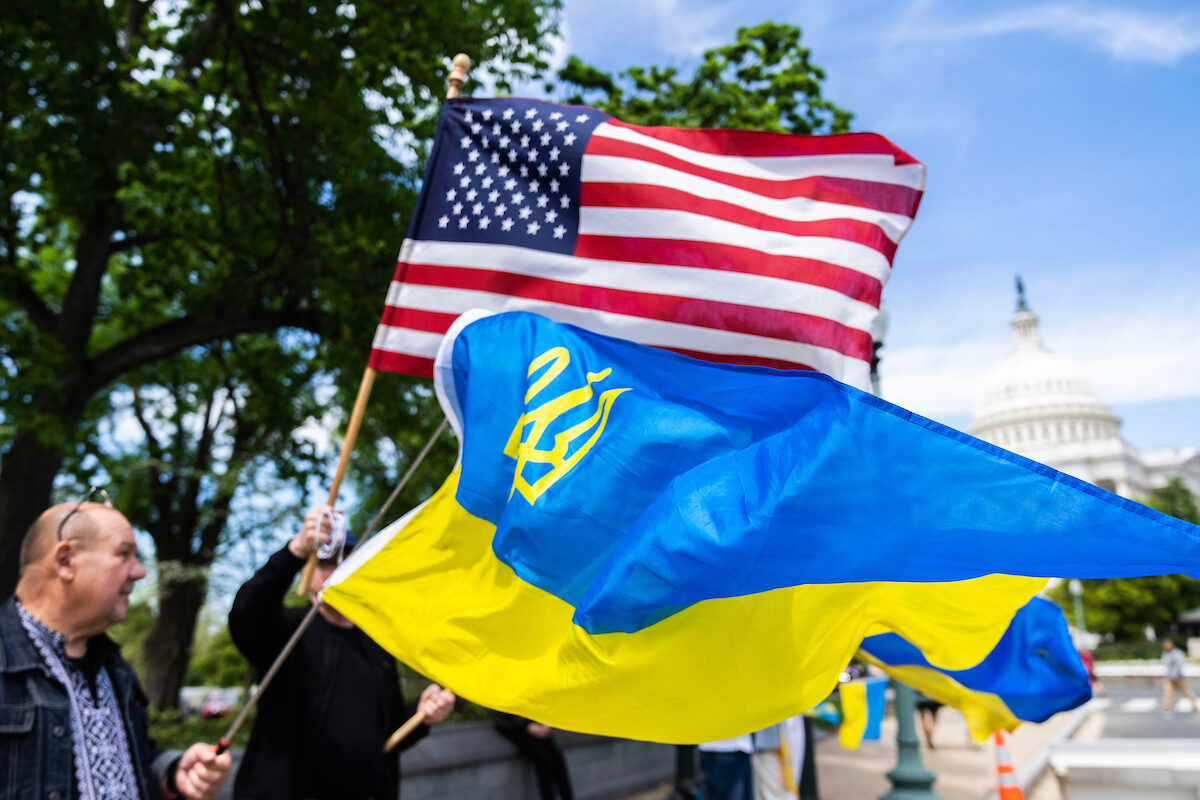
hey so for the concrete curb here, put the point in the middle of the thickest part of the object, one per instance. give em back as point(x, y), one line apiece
point(1034, 767)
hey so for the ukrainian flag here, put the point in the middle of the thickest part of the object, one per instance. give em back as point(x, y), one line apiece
point(640, 544)
point(1033, 672)
point(863, 704)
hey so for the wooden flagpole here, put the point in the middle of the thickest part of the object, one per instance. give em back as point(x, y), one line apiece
point(462, 64)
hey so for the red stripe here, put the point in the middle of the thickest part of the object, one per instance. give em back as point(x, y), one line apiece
point(417, 319)
point(783, 325)
point(744, 360)
point(731, 258)
point(758, 144)
point(403, 363)
point(617, 195)
point(885, 197)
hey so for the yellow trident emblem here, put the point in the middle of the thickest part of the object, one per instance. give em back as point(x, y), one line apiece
point(527, 450)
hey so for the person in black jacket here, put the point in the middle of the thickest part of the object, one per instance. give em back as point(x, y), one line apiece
point(535, 742)
point(73, 716)
point(323, 720)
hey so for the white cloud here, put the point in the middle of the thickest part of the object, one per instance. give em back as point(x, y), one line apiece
point(1125, 34)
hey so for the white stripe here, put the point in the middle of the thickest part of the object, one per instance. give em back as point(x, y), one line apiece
point(404, 340)
point(1140, 705)
point(881, 168)
point(612, 169)
point(654, 223)
point(639, 329)
point(688, 282)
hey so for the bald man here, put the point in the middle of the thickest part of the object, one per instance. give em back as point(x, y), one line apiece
point(72, 712)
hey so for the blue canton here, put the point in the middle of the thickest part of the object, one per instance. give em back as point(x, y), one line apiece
point(506, 172)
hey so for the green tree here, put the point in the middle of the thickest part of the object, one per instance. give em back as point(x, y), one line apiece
point(179, 175)
point(1124, 607)
point(763, 81)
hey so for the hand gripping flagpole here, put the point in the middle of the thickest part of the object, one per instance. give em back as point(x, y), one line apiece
point(462, 64)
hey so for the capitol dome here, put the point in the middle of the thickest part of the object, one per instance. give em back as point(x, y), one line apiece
point(1035, 399)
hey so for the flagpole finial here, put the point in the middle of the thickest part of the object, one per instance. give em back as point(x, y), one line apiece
point(462, 65)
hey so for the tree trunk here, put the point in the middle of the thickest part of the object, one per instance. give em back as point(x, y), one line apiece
point(27, 473)
point(181, 590)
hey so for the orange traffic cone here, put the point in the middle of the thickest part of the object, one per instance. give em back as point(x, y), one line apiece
point(1009, 789)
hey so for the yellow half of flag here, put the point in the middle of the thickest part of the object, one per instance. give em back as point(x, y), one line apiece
point(432, 592)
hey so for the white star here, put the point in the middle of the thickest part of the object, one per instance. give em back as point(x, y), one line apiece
point(532, 227)
point(556, 115)
point(531, 113)
point(582, 118)
point(495, 158)
point(510, 184)
point(569, 139)
point(506, 225)
point(469, 116)
point(459, 167)
point(501, 210)
point(518, 198)
point(524, 213)
point(476, 128)
point(487, 113)
point(541, 201)
point(462, 222)
point(503, 171)
point(559, 230)
point(524, 141)
point(537, 125)
point(504, 140)
point(486, 182)
point(443, 221)
point(542, 169)
point(534, 186)
point(450, 195)
point(515, 127)
point(554, 185)
point(480, 169)
point(545, 139)
point(564, 168)
point(496, 129)
point(473, 156)
point(564, 202)
point(551, 215)
point(457, 209)
point(524, 170)
point(512, 155)
point(484, 222)
point(554, 154)
point(493, 196)
point(465, 141)
point(532, 155)
point(464, 181)
point(508, 112)
point(471, 195)
point(562, 126)
point(477, 209)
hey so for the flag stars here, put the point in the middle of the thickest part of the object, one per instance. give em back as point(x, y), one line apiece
point(515, 127)
point(450, 195)
point(464, 181)
point(480, 169)
point(518, 198)
point(477, 209)
point(525, 141)
point(554, 185)
point(524, 212)
point(507, 115)
point(487, 182)
point(495, 158)
point(493, 196)
point(458, 207)
point(564, 202)
point(443, 221)
point(542, 200)
point(506, 225)
point(487, 114)
point(476, 128)
point(564, 168)
point(531, 113)
point(469, 116)
point(545, 140)
point(532, 155)
point(504, 142)
point(462, 222)
point(556, 115)
point(471, 195)
point(559, 231)
point(537, 125)
point(524, 171)
point(582, 118)
point(569, 139)
point(496, 129)
point(513, 155)
point(503, 171)
point(542, 169)
point(554, 154)
point(501, 210)
point(532, 228)
point(510, 184)
point(459, 167)
point(562, 126)
point(534, 186)
point(551, 215)
point(484, 222)
point(473, 156)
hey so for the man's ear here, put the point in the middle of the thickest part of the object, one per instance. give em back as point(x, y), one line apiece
point(64, 555)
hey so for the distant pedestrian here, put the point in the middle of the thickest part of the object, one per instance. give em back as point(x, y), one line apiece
point(535, 742)
point(1173, 678)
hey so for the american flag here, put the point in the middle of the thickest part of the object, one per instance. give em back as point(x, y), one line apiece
point(737, 246)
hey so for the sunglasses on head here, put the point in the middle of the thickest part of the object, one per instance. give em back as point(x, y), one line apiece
point(91, 492)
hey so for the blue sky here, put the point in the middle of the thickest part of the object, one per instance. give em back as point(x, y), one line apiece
point(1061, 142)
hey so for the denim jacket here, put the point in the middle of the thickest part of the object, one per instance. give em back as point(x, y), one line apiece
point(36, 755)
